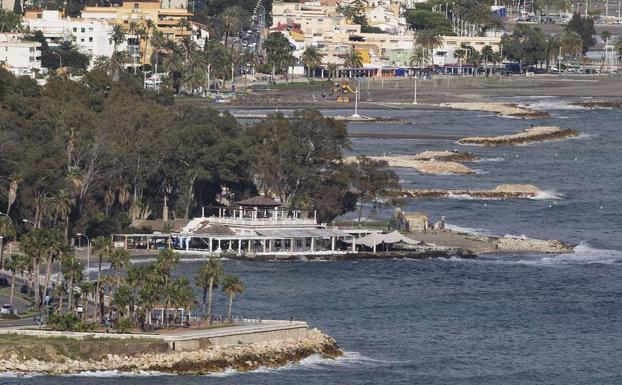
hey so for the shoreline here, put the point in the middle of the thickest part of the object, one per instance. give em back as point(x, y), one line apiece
point(52, 355)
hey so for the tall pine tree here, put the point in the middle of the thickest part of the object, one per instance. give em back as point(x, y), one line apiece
point(17, 7)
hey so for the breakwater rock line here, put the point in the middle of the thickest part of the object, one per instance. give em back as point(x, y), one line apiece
point(534, 134)
point(241, 358)
point(599, 104)
point(432, 167)
point(504, 191)
point(503, 109)
point(446, 156)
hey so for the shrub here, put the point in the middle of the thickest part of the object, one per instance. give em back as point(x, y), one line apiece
point(63, 322)
point(123, 325)
point(86, 326)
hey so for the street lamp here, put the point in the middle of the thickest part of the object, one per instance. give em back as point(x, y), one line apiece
point(356, 103)
point(88, 255)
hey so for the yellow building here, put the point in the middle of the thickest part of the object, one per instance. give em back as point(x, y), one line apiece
point(137, 14)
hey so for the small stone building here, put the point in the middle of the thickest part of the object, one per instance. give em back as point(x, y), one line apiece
point(416, 221)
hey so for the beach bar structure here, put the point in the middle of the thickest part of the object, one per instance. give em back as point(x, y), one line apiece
point(255, 226)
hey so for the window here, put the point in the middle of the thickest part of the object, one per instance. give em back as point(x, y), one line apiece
point(90, 29)
point(90, 39)
point(82, 29)
point(82, 40)
point(75, 29)
point(136, 5)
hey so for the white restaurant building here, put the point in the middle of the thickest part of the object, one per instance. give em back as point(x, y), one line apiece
point(255, 226)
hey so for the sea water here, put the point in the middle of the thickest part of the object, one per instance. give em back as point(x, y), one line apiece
point(499, 319)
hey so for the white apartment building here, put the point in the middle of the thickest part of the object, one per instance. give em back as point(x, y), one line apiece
point(91, 36)
point(19, 56)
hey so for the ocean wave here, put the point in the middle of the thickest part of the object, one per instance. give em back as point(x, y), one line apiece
point(467, 230)
point(548, 195)
point(583, 254)
point(549, 105)
point(313, 362)
point(486, 160)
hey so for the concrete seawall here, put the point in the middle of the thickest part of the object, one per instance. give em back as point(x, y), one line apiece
point(189, 340)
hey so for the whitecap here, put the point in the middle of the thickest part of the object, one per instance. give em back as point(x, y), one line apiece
point(547, 195)
point(485, 160)
point(467, 230)
point(583, 254)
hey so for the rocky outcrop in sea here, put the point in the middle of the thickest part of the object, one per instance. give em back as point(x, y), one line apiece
point(533, 134)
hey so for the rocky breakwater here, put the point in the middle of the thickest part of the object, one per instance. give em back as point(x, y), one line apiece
point(599, 104)
point(217, 359)
point(503, 109)
point(524, 244)
point(533, 134)
point(446, 156)
point(429, 162)
point(504, 191)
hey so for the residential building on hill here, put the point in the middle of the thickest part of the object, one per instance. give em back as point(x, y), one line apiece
point(18, 56)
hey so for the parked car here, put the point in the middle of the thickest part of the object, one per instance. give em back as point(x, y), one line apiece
point(7, 309)
point(4, 282)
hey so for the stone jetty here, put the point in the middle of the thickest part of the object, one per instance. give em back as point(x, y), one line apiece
point(503, 109)
point(504, 191)
point(529, 135)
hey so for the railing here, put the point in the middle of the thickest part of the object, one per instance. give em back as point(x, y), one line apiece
point(260, 221)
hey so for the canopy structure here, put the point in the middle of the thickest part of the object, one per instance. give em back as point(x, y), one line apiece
point(373, 240)
point(301, 233)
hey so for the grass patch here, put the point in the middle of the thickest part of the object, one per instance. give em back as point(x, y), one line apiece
point(58, 349)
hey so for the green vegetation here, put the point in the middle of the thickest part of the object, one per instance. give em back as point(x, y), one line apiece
point(58, 349)
point(278, 52)
point(584, 28)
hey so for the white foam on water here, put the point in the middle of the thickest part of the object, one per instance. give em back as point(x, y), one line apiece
point(548, 105)
point(117, 373)
point(547, 195)
point(226, 373)
point(486, 160)
point(583, 254)
point(467, 230)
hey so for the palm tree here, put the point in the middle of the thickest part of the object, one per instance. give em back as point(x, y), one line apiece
point(429, 39)
point(332, 70)
point(157, 42)
point(174, 64)
point(311, 58)
point(553, 45)
point(572, 44)
point(7, 232)
point(61, 205)
point(102, 246)
point(117, 36)
point(183, 296)
point(122, 300)
point(353, 59)
point(73, 272)
point(195, 72)
point(233, 19)
point(460, 54)
point(232, 285)
point(486, 55)
point(149, 296)
point(119, 259)
point(207, 278)
point(33, 245)
point(165, 263)
point(17, 264)
point(60, 291)
point(86, 289)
